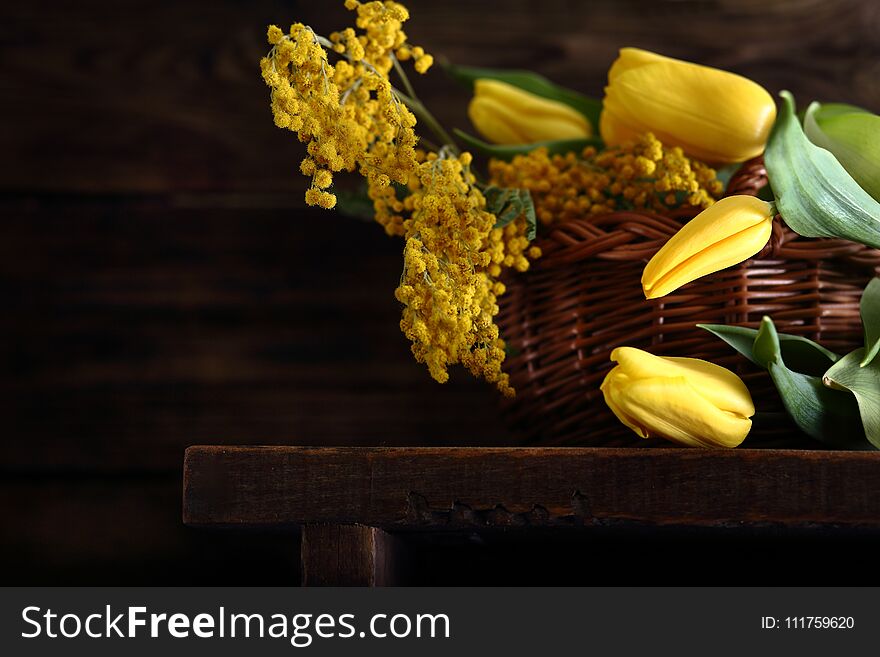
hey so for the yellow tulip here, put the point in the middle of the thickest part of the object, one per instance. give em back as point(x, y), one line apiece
point(726, 233)
point(505, 114)
point(713, 115)
point(686, 400)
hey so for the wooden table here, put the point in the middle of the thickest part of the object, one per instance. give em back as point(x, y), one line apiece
point(355, 504)
point(163, 284)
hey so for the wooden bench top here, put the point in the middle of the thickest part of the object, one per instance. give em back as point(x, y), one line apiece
point(404, 489)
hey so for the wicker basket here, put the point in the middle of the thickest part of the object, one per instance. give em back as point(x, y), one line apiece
point(583, 298)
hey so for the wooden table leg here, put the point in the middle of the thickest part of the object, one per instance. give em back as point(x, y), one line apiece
point(351, 555)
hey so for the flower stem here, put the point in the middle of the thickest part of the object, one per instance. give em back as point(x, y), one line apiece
point(429, 144)
point(426, 117)
point(404, 77)
point(409, 98)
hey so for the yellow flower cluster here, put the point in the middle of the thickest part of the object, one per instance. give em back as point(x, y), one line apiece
point(347, 113)
point(641, 174)
point(351, 119)
point(383, 35)
point(507, 246)
point(452, 256)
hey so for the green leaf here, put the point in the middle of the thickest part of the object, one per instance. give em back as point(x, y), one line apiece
point(801, 354)
point(825, 414)
point(870, 308)
point(853, 137)
point(529, 212)
point(533, 83)
point(509, 151)
point(499, 198)
point(740, 338)
point(766, 347)
point(508, 204)
point(833, 110)
point(830, 416)
point(814, 193)
point(864, 384)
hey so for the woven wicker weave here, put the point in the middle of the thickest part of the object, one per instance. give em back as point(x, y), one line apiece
point(583, 298)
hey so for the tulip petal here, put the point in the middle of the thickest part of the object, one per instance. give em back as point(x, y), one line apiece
point(631, 58)
point(491, 119)
point(530, 104)
point(713, 115)
point(614, 382)
point(673, 409)
point(728, 232)
point(505, 114)
point(721, 387)
point(726, 253)
point(532, 83)
point(613, 130)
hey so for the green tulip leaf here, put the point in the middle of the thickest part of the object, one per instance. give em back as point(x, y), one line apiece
point(766, 348)
point(825, 414)
point(828, 415)
point(801, 354)
point(853, 137)
point(509, 151)
point(740, 338)
point(864, 384)
point(814, 193)
point(833, 110)
point(533, 83)
point(870, 308)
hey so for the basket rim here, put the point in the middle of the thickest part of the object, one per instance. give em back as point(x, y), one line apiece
point(636, 235)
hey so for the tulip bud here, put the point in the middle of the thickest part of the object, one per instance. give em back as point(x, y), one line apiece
point(726, 233)
point(713, 115)
point(686, 400)
point(505, 114)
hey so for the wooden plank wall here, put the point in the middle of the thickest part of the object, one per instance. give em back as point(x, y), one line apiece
point(163, 285)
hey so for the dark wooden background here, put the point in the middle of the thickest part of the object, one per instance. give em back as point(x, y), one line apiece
point(163, 285)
